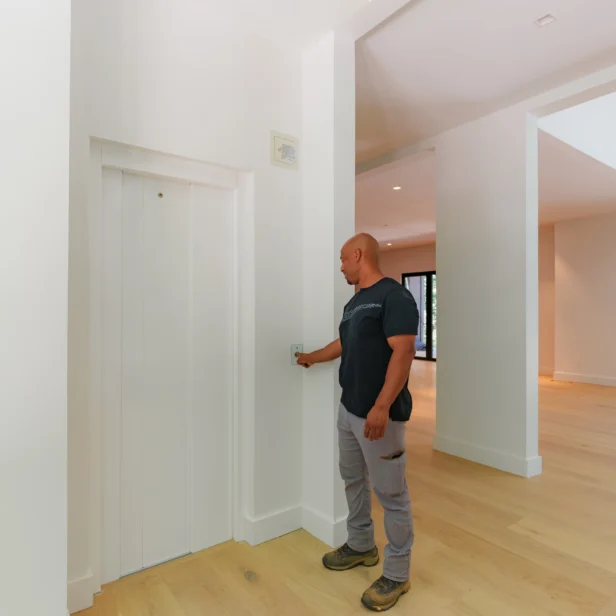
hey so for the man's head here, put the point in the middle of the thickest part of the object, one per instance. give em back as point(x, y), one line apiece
point(359, 257)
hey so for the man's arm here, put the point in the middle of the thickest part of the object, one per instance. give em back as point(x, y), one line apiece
point(400, 326)
point(331, 352)
point(398, 370)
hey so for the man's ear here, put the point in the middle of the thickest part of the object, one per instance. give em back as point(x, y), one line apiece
point(358, 254)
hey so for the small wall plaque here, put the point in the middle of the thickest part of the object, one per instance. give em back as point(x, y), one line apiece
point(284, 150)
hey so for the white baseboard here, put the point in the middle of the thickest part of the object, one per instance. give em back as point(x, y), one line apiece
point(503, 461)
point(272, 526)
point(331, 532)
point(591, 379)
point(81, 593)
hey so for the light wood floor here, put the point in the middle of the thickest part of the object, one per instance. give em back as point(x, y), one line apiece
point(488, 544)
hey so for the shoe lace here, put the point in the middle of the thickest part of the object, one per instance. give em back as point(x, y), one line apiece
point(345, 550)
point(384, 585)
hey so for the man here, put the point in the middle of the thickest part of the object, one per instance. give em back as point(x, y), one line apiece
point(377, 346)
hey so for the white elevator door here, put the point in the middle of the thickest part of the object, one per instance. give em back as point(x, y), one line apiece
point(176, 368)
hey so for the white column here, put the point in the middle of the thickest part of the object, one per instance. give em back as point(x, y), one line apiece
point(328, 173)
point(34, 173)
point(487, 264)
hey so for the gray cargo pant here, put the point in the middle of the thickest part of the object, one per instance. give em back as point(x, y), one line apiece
point(362, 462)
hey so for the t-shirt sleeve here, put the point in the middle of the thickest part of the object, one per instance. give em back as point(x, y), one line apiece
point(400, 314)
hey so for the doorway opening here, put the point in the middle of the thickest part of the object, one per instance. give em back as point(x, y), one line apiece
point(577, 221)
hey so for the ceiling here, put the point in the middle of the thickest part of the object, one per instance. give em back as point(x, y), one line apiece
point(571, 185)
point(441, 63)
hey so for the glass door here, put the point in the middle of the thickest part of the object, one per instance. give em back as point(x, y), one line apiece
point(422, 286)
point(433, 316)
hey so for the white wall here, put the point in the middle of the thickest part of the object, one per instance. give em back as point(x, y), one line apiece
point(329, 212)
point(422, 258)
point(586, 300)
point(578, 272)
point(487, 193)
point(395, 263)
point(169, 77)
point(546, 301)
point(34, 151)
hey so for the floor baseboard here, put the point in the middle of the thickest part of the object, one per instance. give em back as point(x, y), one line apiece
point(503, 461)
point(330, 532)
point(272, 526)
point(590, 379)
point(80, 593)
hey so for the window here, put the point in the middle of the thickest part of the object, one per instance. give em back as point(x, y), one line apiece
point(422, 286)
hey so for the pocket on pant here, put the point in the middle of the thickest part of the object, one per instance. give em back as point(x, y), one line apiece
point(389, 476)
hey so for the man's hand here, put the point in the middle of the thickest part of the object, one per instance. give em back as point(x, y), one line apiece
point(305, 360)
point(332, 351)
point(376, 423)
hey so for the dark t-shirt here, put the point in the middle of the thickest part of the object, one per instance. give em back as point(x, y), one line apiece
point(374, 314)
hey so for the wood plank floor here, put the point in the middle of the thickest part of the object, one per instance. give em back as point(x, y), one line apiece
point(488, 544)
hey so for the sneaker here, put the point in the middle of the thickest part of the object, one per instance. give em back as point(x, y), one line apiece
point(384, 594)
point(345, 558)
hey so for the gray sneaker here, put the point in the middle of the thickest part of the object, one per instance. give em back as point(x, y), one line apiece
point(344, 558)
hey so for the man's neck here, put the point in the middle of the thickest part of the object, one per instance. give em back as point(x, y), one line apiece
point(370, 278)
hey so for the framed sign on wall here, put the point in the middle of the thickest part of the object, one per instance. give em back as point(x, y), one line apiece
point(284, 150)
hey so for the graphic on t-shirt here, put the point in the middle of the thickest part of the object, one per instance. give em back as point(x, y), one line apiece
point(351, 313)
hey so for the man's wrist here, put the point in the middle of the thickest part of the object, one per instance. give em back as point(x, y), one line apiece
point(381, 408)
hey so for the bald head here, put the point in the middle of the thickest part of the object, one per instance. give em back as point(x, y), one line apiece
point(360, 258)
point(367, 245)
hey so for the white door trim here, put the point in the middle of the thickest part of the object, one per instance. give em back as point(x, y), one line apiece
point(144, 162)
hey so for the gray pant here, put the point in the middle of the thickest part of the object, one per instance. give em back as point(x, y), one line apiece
point(362, 461)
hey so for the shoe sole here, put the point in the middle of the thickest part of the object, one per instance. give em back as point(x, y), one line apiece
point(368, 562)
point(385, 608)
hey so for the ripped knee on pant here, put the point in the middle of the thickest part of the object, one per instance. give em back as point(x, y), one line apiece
point(394, 456)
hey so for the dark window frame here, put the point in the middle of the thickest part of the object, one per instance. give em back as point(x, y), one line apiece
point(429, 323)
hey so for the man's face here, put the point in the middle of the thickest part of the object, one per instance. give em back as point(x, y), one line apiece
point(349, 259)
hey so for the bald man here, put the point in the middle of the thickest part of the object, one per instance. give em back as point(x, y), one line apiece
point(377, 346)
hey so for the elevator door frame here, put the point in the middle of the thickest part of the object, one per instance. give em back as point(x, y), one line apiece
point(106, 155)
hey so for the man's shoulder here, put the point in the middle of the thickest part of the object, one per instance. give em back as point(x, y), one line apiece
point(390, 286)
point(394, 290)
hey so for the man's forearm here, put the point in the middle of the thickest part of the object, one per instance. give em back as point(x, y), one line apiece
point(396, 378)
point(331, 352)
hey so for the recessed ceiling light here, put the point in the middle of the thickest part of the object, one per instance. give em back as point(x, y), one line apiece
point(546, 20)
point(389, 244)
point(397, 187)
